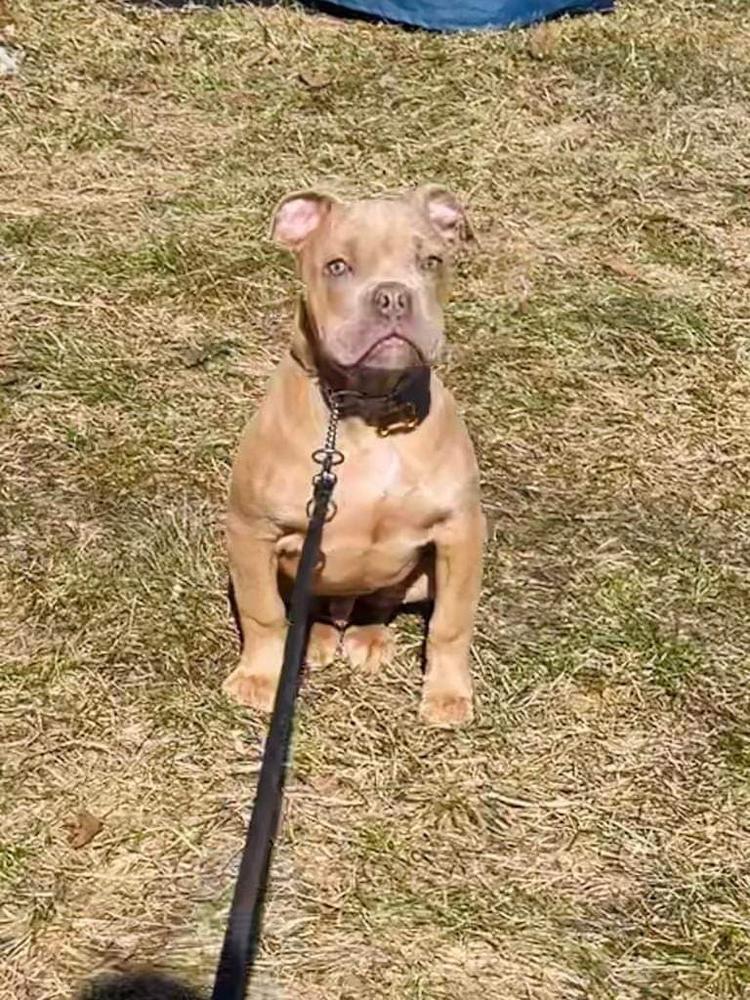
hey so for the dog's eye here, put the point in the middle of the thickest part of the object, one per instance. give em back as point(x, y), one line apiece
point(337, 268)
point(432, 263)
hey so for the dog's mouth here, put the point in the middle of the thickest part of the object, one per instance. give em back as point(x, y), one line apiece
point(388, 348)
point(379, 370)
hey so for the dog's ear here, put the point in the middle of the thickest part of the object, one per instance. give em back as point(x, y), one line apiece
point(445, 213)
point(298, 216)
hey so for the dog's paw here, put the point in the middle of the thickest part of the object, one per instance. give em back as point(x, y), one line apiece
point(368, 647)
point(254, 680)
point(322, 644)
point(445, 708)
point(252, 688)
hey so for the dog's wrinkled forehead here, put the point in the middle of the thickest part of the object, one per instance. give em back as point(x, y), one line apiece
point(313, 224)
point(375, 233)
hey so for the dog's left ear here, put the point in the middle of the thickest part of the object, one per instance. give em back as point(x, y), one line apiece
point(445, 213)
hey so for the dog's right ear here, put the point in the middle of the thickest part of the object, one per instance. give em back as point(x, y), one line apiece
point(298, 216)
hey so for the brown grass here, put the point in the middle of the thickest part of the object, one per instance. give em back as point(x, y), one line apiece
point(588, 836)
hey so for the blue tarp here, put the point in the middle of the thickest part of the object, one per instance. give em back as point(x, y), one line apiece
point(434, 15)
point(458, 15)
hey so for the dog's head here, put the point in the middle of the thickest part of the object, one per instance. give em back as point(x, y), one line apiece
point(375, 274)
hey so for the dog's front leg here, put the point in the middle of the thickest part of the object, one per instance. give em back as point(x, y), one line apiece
point(447, 693)
point(260, 608)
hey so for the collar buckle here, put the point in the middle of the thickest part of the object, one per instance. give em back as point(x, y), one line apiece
point(406, 419)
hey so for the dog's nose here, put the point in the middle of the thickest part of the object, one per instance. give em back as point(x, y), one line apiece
point(392, 300)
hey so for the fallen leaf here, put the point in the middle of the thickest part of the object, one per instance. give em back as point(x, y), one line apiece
point(324, 784)
point(83, 829)
point(315, 81)
point(121, 949)
point(621, 267)
point(194, 357)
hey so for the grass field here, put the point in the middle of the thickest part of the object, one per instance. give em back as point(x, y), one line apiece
point(589, 836)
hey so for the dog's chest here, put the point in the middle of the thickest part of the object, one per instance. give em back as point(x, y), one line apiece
point(380, 490)
point(385, 513)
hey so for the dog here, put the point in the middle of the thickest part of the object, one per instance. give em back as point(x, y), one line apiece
point(408, 526)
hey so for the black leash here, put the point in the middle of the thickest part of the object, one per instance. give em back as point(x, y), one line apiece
point(242, 935)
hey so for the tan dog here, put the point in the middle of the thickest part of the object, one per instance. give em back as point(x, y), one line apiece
point(408, 525)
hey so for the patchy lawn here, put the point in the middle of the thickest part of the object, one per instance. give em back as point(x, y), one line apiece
point(589, 836)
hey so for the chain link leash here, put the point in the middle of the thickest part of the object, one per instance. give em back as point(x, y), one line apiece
point(327, 457)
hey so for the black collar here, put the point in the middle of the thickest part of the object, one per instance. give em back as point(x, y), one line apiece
point(397, 411)
point(401, 409)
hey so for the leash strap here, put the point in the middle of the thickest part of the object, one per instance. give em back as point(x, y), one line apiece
point(242, 934)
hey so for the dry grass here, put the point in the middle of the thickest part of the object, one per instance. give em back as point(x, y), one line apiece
point(588, 837)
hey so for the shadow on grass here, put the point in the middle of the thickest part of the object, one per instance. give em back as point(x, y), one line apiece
point(138, 985)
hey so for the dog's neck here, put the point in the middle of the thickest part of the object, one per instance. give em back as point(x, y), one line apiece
point(391, 402)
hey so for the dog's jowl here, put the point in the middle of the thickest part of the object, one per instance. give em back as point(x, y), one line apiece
point(408, 525)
